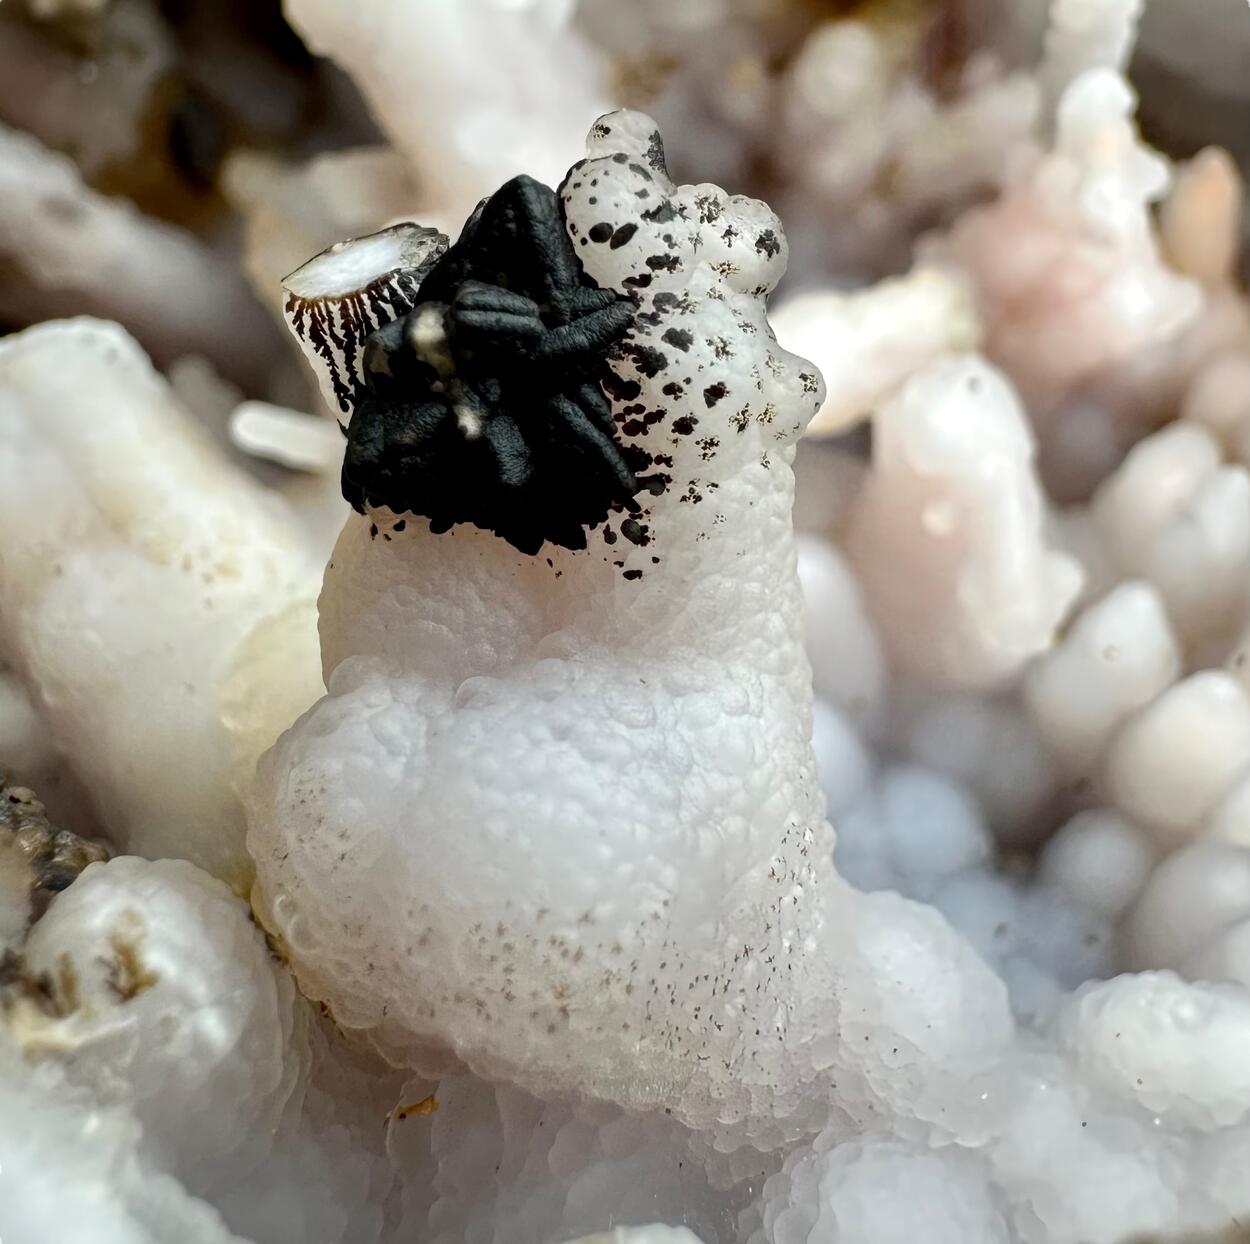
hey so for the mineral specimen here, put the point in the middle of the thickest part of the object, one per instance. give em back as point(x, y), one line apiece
point(547, 849)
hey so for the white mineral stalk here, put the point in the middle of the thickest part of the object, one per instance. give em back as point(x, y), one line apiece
point(74, 250)
point(534, 79)
point(340, 296)
point(298, 441)
point(559, 813)
point(1087, 34)
point(137, 560)
point(1066, 264)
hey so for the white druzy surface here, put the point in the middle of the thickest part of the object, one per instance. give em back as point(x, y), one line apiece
point(561, 815)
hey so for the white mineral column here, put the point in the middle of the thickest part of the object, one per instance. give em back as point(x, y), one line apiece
point(947, 536)
point(560, 813)
point(137, 563)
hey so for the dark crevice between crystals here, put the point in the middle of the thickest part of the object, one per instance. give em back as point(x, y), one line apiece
point(485, 404)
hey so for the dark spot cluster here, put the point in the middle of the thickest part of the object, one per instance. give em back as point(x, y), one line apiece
point(675, 362)
point(768, 243)
point(485, 404)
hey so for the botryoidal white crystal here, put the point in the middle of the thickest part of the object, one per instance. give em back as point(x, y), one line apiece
point(168, 1003)
point(507, 740)
point(528, 812)
point(75, 1172)
point(147, 999)
point(152, 563)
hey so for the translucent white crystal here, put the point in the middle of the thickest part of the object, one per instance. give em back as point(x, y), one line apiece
point(1065, 265)
point(882, 1190)
point(990, 746)
point(1230, 819)
point(847, 663)
point(75, 1173)
point(842, 761)
point(1194, 895)
point(1100, 860)
point(655, 1233)
point(290, 437)
point(915, 828)
point(1088, 34)
point(1164, 1044)
point(488, 1154)
point(534, 84)
point(293, 211)
point(97, 254)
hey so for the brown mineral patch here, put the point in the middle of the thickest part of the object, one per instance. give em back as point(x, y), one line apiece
point(125, 973)
point(23, 990)
point(68, 996)
point(427, 1105)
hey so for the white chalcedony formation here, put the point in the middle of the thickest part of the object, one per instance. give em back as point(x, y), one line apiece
point(547, 911)
point(75, 251)
point(534, 83)
point(1087, 286)
point(75, 1172)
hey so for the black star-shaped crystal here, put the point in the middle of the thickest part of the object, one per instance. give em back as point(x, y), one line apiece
point(484, 404)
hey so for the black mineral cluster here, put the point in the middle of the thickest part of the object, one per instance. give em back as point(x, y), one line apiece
point(485, 403)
